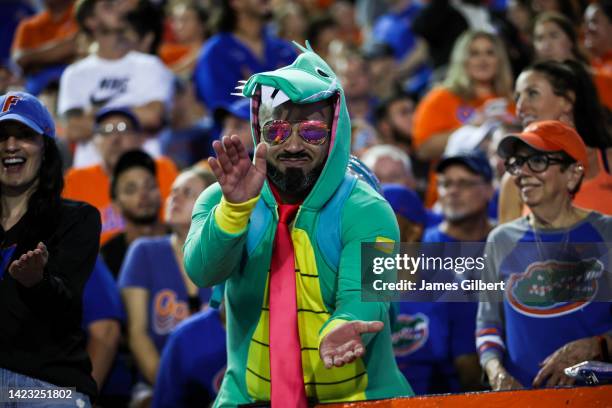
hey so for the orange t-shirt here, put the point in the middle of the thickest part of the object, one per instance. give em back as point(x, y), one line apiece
point(92, 185)
point(173, 53)
point(42, 29)
point(443, 111)
point(596, 193)
point(603, 63)
point(603, 83)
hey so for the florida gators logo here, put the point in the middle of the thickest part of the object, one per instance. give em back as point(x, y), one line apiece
point(464, 113)
point(410, 334)
point(10, 101)
point(553, 288)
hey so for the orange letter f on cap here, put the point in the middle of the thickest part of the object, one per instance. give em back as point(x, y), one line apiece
point(10, 101)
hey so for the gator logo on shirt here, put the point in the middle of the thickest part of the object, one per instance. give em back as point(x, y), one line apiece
point(410, 334)
point(552, 288)
point(464, 113)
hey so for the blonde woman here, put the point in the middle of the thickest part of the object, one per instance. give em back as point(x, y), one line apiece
point(478, 86)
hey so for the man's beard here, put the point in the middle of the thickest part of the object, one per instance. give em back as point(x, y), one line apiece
point(398, 136)
point(294, 181)
point(140, 219)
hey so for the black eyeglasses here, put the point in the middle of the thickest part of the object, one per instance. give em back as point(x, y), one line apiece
point(537, 163)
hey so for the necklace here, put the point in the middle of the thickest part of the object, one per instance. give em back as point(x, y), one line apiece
point(537, 234)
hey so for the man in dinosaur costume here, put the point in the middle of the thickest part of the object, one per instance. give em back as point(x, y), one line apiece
point(342, 349)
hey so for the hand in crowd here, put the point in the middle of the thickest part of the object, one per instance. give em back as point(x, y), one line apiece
point(343, 344)
point(499, 378)
point(570, 354)
point(28, 269)
point(239, 178)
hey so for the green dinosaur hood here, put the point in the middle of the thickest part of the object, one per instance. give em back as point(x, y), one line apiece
point(309, 79)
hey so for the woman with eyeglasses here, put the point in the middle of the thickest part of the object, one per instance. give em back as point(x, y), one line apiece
point(549, 317)
point(564, 91)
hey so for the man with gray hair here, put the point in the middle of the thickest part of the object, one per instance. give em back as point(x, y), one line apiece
point(390, 164)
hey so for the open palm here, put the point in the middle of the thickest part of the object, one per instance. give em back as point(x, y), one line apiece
point(343, 344)
point(239, 178)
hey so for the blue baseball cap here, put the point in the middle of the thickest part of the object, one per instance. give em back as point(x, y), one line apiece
point(121, 110)
point(240, 109)
point(27, 109)
point(475, 160)
point(405, 202)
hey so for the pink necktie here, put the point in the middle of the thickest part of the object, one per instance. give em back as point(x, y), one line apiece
point(287, 379)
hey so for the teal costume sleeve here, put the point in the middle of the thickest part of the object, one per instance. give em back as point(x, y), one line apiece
point(349, 305)
point(211, 254)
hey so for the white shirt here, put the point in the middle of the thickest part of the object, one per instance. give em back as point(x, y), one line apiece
point(94, 83)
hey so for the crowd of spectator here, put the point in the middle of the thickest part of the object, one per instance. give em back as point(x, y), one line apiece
point(139, 90)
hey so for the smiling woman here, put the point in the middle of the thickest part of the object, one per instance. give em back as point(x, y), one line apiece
point(21, 158)
point(48, 249)
point(477, 87)
point(547, 162)
point(564, 91)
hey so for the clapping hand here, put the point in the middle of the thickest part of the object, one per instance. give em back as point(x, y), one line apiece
point(343, 344)
point(28, 269)
point(239, 178)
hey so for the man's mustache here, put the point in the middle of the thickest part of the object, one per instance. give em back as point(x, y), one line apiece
point(298, 155)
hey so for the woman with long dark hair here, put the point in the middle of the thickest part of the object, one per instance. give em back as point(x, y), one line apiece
point(555, 38)
point(48, 247)
point(564, 91)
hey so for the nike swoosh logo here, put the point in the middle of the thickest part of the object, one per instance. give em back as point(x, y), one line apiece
point(101, 101)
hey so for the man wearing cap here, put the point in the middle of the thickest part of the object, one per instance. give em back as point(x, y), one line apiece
point(236, 121)
point(117, 131)
point(409, 210)
point(464, 191)
point(297, 328)
point(135, 194)
point(48, 250)
point(527, 341)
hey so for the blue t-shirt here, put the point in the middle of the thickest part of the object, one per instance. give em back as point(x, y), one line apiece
point(394, 29)
point(193, 363)
point(225, 60)
point(101, 300)
point(150, 264)
point(13, 11)
point(522, 331)
point(434, 234)
point(428, 336)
